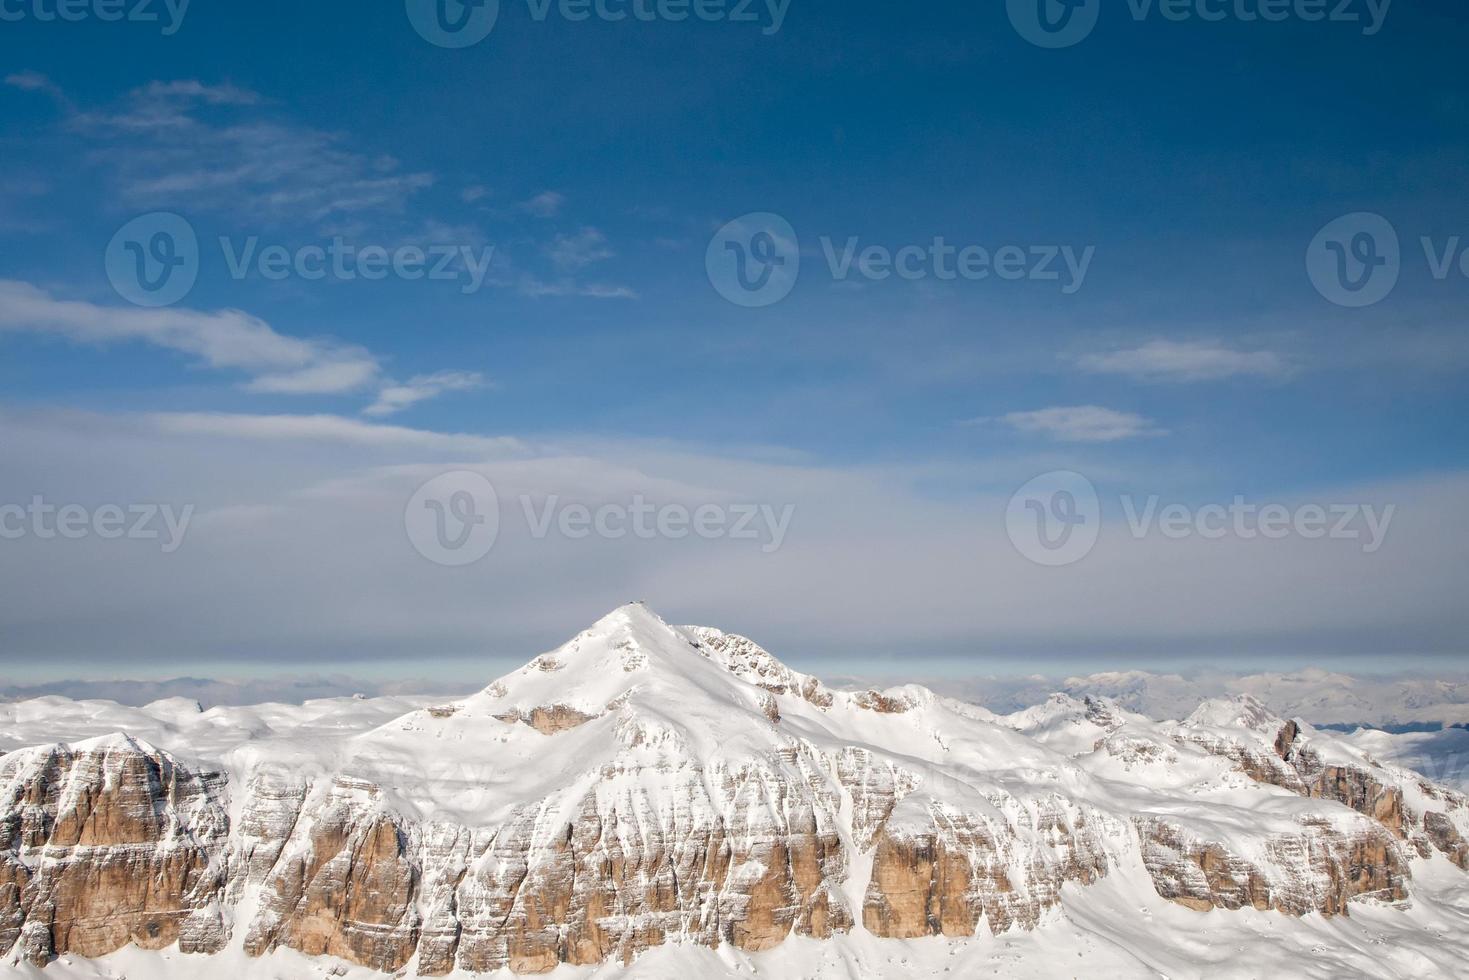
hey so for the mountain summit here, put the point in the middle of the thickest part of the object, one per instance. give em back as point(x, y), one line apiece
point(677, 795)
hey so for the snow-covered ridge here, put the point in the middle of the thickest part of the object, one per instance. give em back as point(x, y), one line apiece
point(646, 791)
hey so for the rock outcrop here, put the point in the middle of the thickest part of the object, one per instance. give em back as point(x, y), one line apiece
point(106, 844)
point(939, 872)
point(1319, 869)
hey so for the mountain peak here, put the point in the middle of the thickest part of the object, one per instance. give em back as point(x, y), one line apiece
point(629, 656)
point(638, 621)
point(630, 637)
point(1236, 711)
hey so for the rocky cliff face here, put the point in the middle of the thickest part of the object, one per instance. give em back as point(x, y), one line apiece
point(645, 786)
point(749, 863)
point(1293, 763)
point(940, 872)
point(106, 844)
point(1319, 869)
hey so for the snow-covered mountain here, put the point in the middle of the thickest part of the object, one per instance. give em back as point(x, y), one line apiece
point(663, 800)
point(1320, 696)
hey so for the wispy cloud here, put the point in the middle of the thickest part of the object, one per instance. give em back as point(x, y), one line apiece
point(546, 204)
point(326, 428)
point(191, 145)
point(1185, 361)
point(1079, 423)
point(34, 81)
point(224, 339)
point(396, 397)
point(194, 89)
point(587, 246)
point(537, 288)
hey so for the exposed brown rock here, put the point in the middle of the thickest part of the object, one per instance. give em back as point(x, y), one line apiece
point(881, 703)
point(770, 708)
point(876, 787)
point(348, 892)
point(556, 718)
point(1286, 739)
point(1318, 870)
point(549, 719)
point(942, 880)
point(1296, 767)
point(587, 892)
point(112, 845)
point(1446, 837)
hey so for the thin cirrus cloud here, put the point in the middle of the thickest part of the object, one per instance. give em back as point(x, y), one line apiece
point(587, 246)
point(326, 429)
point(194, 89)
point(34, 81)
point(537, 288)
point(1185, 361)
point(227, 340)
point(395, 398)
point(210, 148)
point(546, 204)
point(185, 145)
point(1079, 423)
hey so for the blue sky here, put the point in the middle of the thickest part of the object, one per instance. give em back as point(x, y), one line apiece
point(1195, 360)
